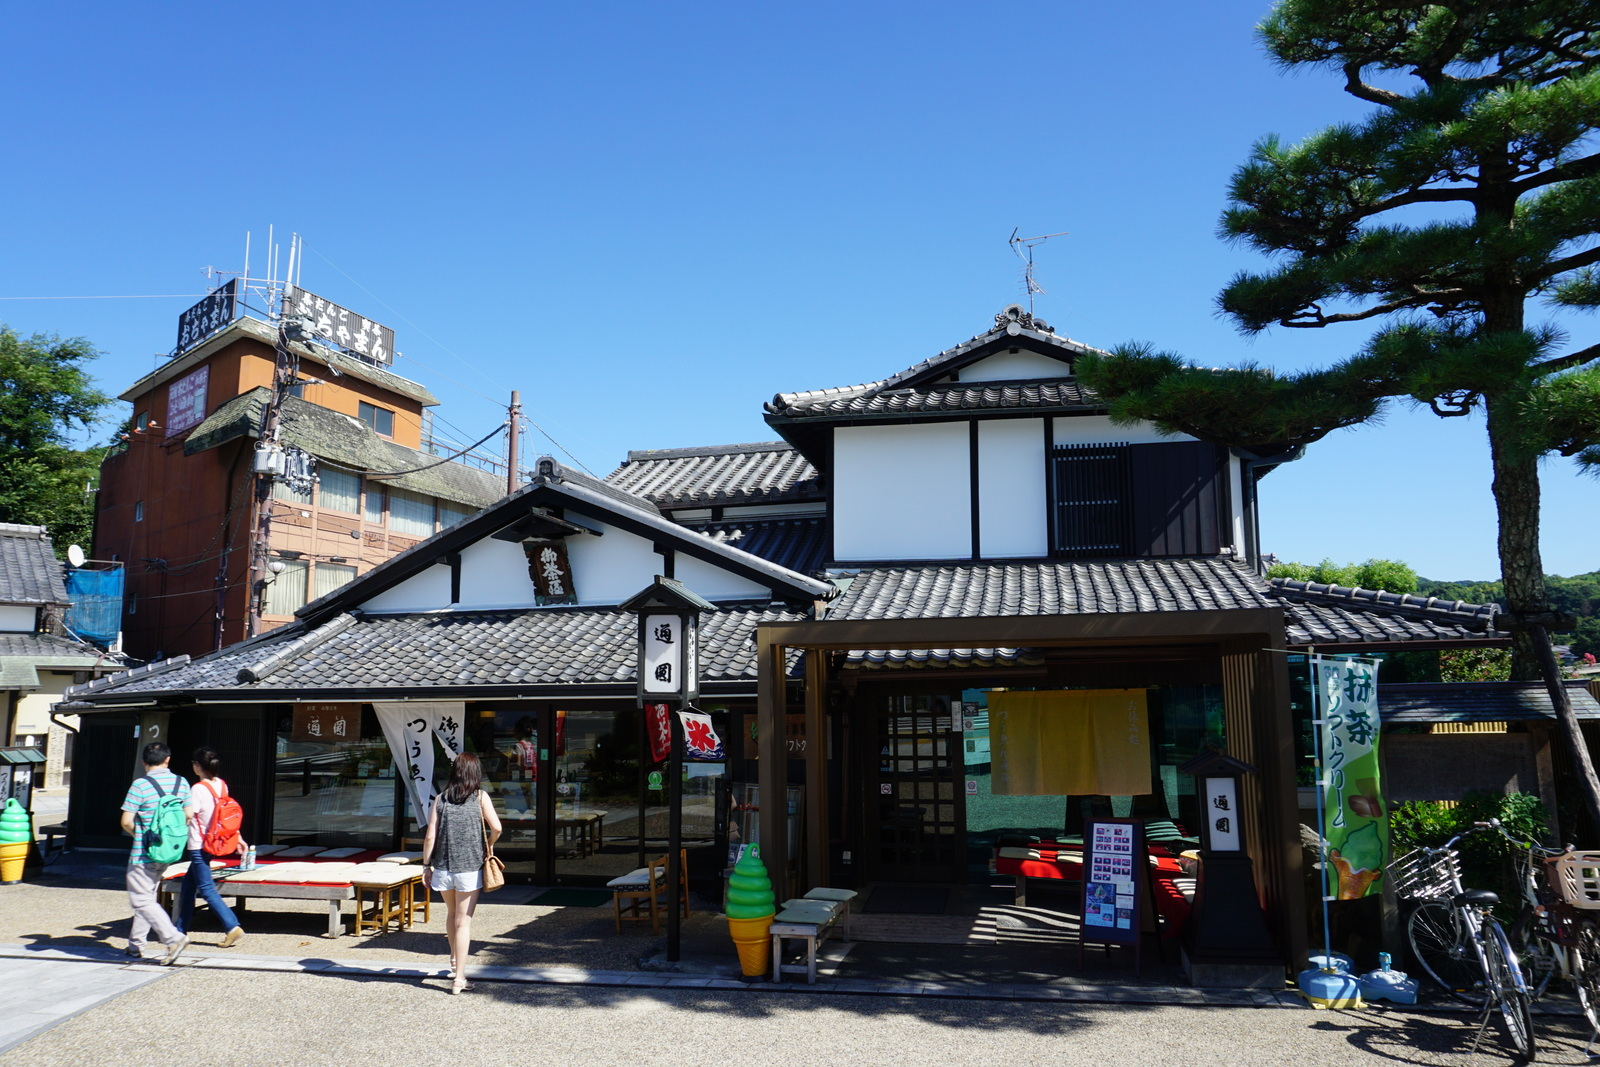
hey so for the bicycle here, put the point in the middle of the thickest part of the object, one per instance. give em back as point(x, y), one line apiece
point(1457, 941)
point(1552, 936)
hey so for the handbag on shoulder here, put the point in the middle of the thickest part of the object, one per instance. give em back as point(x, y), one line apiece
point(494, 868)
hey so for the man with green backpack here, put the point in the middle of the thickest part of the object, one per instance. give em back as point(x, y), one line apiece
point(155, 814)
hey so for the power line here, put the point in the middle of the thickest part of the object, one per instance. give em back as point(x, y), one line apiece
point(446, 459)
point(151, 296)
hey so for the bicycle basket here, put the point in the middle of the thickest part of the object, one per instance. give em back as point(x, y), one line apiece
point(1423, 875)
point(1578, 879)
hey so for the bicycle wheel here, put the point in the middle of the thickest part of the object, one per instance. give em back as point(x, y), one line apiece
point(1442, 947)
point(1586, 969)
point(1539, 956)
point(1500, 965)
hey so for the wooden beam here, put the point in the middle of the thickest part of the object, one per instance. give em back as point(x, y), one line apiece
point(818, 837)
point(771, 765)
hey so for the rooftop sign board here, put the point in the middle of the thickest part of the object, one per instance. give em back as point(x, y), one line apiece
point(341, 327)
point(216, 310)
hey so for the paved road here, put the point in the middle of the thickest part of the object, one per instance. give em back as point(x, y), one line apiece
point(278, 1018)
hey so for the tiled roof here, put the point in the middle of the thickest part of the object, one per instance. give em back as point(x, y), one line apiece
point(451, 651)
point(962, 590)
point(770, 472)
point(347, 442)
point(913, 389)
point(22, 655)
point(29, 571)
point(798, 544)
point(1427, 702)
point(969, 396)
point(1319, 615)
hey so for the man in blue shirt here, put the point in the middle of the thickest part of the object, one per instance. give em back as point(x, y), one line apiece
point(144, 876)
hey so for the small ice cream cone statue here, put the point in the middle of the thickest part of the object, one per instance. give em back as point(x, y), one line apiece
point(750, 909)
point(16, 834)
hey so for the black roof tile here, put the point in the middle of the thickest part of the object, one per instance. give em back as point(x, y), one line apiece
point(1429, 702)
point(769, 472)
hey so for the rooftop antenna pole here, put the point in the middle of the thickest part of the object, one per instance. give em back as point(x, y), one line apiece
point(1029, 285)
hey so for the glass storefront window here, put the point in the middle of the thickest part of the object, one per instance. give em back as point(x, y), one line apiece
point(331, 790)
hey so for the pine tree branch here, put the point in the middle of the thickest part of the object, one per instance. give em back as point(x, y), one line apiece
point(1370, 93)
point(1561, 266)
point(1419, 196)
point(1314, 318)
point(1566, 362)
point(1586, 167)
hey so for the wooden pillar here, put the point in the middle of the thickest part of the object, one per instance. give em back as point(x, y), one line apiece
point(817, 835)
point(1260, 731)
point(1544, 765)
point(771, 761)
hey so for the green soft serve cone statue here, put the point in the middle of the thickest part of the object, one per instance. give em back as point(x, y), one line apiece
point(750, 909)
point(16, 834)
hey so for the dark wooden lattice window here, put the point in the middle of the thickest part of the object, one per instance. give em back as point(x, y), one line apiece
point(1091, 500)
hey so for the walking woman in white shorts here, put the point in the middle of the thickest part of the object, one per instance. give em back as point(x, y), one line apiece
point(453, 853)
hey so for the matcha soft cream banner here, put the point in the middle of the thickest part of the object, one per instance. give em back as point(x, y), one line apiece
point(1357, 827)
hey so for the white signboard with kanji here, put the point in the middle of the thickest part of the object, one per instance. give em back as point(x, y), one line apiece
point(186, 399)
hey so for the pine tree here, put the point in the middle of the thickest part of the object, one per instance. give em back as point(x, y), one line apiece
point(1470, 192)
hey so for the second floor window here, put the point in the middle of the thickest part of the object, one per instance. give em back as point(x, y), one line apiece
point(1091, 501)
point(380, 419)
point(339, 490)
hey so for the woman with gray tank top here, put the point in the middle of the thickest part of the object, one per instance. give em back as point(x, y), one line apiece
point(453, 852)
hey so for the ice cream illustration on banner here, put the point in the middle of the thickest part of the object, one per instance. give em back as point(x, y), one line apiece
point(16, 832)
point(750, 909)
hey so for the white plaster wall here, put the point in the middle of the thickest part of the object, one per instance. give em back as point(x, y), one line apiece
point(714, 583)
point(610, 569)
point(18, 618)
point(902, 492)
point(494, 574)
point(1021, 365)
point(1012, 509)
point(425, 591)
point(1099, 429)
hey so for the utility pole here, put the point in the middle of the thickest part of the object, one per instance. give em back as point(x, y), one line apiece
point(268, 462)
point(514, 442)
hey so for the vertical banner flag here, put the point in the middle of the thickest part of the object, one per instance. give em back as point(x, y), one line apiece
point(658, 723)
point(408, 727)
point(1357, 827)
point(700, 741)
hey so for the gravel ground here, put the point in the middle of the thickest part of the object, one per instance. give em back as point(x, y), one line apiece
point(273, 1019)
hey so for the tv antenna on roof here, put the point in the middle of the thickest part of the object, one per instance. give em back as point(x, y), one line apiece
point(1029, 285)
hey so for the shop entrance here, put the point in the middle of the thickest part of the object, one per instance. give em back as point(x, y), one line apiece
point(914, 806)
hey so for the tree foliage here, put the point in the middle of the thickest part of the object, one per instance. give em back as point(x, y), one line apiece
point(1390, 575)
point(1469, 192)
point(45, 393)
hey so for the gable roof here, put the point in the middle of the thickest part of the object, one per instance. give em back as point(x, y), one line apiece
point(926, 388)
point(573, 493)
point(770, 472)
point(22, 656)
point(347, 442)
point(29, 570)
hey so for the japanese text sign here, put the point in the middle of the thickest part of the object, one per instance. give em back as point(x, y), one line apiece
point(1357, 828)
point(219, 308)
point(186, 399)
point(341, 327)
point(326, 723)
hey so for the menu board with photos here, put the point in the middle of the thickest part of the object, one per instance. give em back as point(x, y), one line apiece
point(1117, 907)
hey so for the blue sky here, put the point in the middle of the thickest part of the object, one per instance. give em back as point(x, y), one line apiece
point(650, 218)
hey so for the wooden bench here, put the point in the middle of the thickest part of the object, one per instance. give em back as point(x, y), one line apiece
point(810, 919)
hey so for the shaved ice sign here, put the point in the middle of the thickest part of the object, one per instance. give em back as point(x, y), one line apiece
point(1357, 827)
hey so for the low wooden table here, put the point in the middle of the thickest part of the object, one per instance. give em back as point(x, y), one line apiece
point(335, 895)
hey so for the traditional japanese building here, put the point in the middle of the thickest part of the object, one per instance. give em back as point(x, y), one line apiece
point(927, 597)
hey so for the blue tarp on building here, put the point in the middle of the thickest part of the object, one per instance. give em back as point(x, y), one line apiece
point(96, 612)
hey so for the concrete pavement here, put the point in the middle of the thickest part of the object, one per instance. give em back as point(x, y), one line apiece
point(41, 993)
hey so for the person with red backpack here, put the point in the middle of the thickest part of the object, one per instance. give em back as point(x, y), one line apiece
point(213, 834)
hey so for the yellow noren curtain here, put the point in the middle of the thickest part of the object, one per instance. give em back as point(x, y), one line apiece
point(1070, 742)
